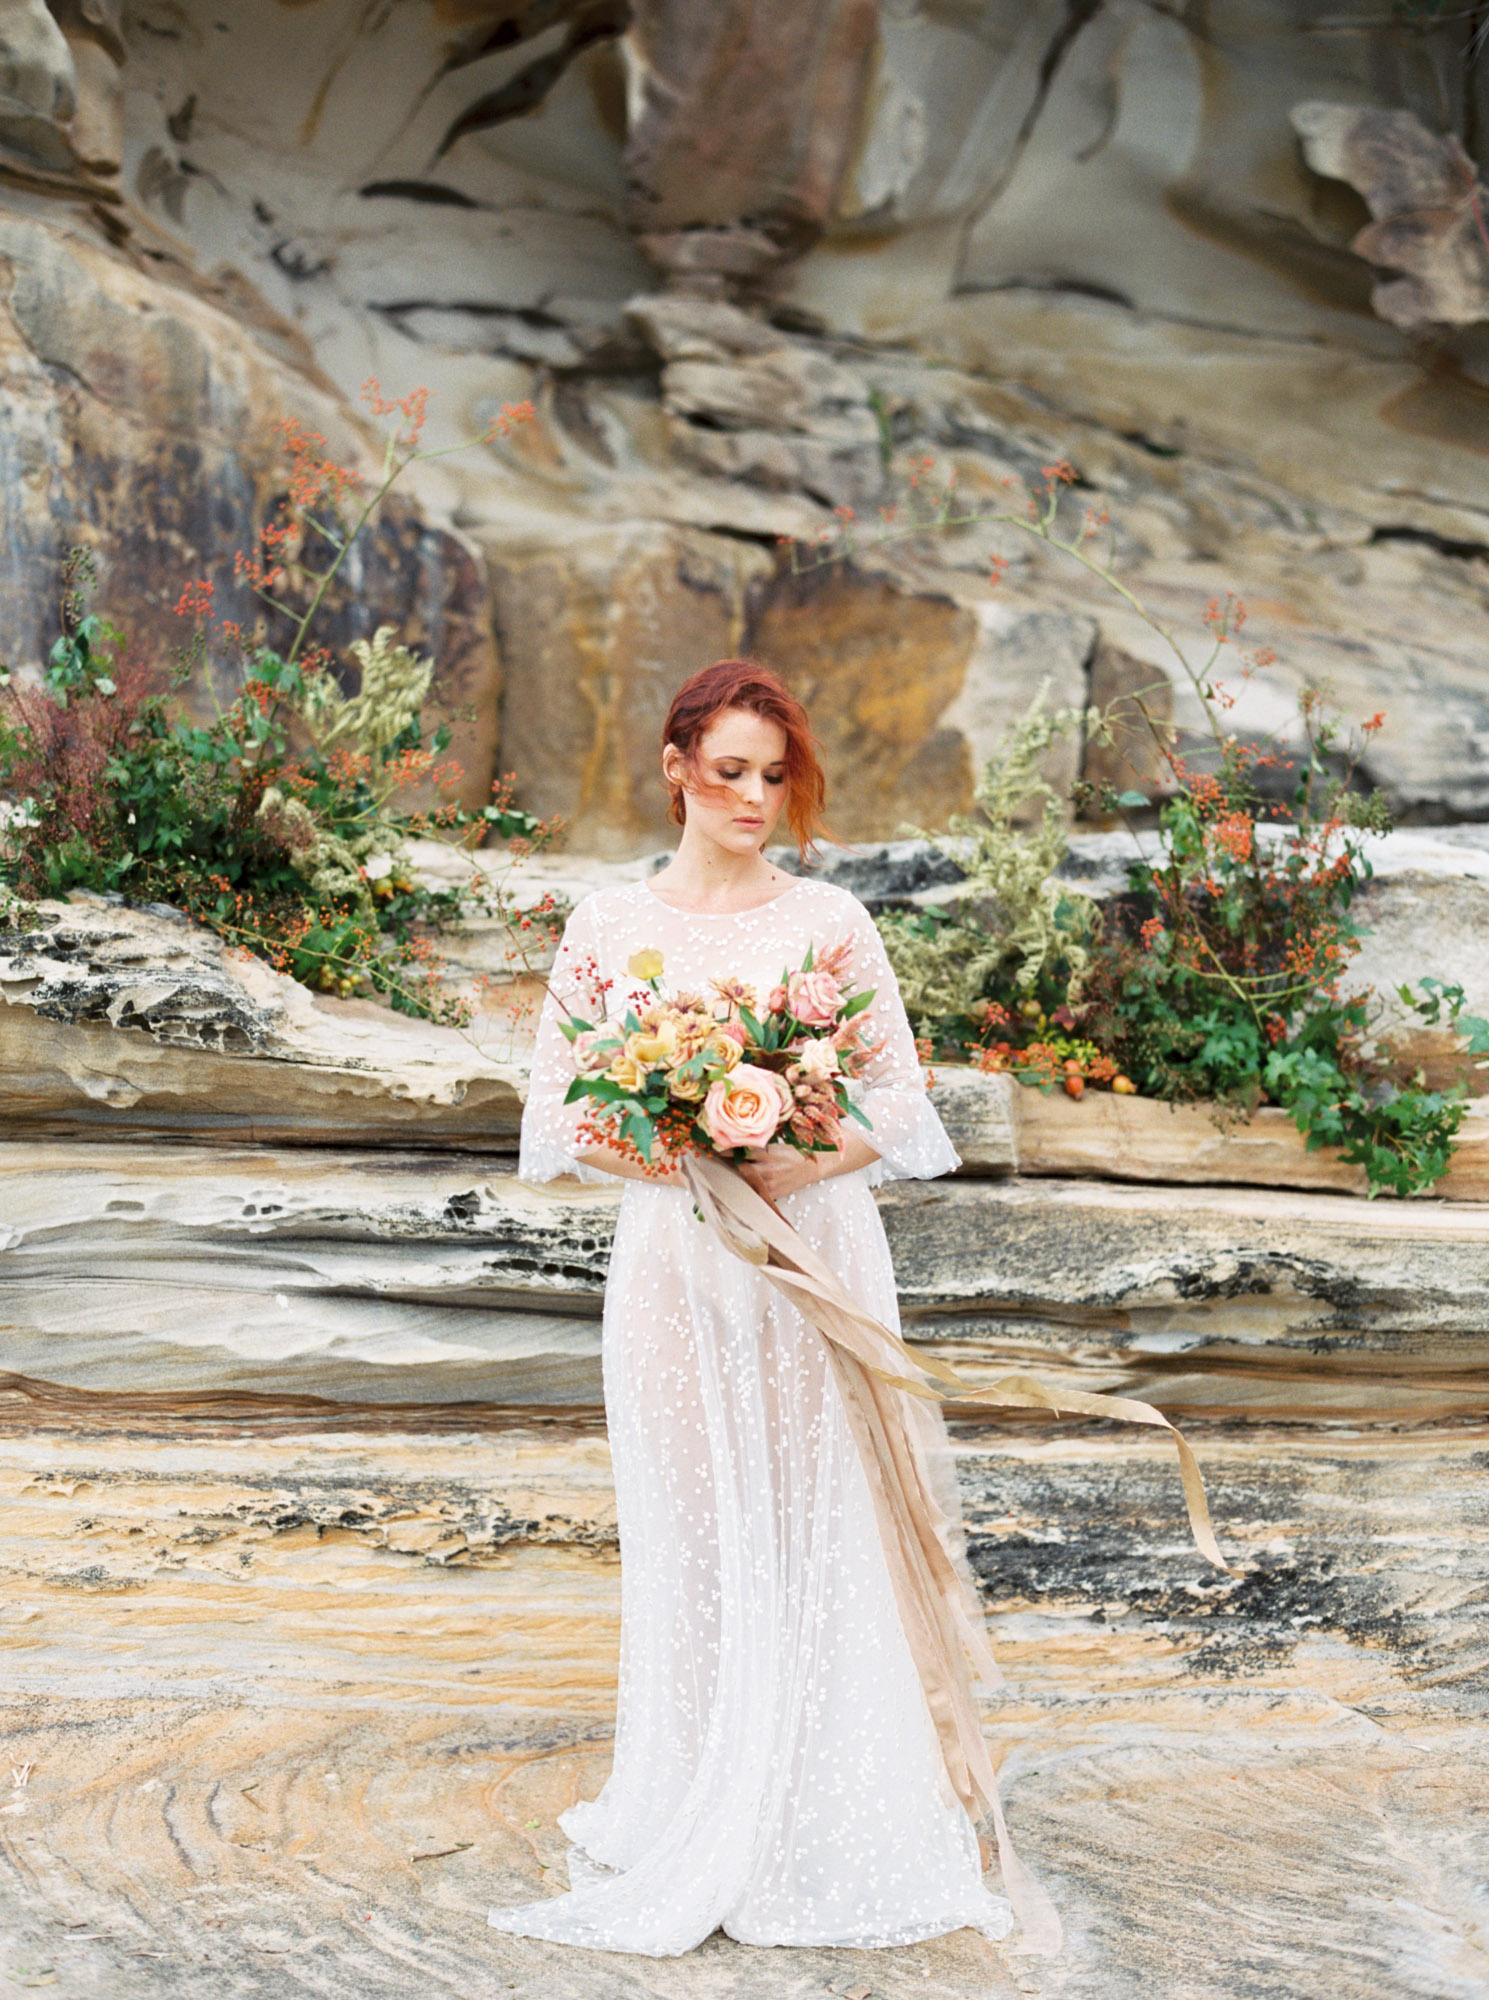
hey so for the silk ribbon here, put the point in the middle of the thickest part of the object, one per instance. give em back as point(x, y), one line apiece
point(873, 1368)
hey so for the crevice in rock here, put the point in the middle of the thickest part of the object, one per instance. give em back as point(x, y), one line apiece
point(757, 537)
point(1444, 544)
point(1078, 14)
point(1151, 445)
point(1080, 288)
point(596, 21)
point(435, 192)
point(479, 308)
point(296, 266)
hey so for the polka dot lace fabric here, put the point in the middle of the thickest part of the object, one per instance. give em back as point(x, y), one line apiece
point(776, 1773)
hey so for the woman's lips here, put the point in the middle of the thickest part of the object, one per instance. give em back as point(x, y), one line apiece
point(749, 822)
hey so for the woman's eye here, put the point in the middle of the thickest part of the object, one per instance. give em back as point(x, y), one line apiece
point(778, 779)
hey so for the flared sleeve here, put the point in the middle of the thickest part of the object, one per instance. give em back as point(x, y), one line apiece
point(906, 1131)
point(548, 1139)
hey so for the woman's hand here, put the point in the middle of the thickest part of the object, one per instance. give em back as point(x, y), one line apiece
point(780, 1170)
point(776, 1171)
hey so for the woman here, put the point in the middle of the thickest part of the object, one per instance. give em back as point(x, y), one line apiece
point(776, 1769)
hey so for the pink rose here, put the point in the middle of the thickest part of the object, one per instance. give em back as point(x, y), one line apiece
point(745, 1107)
point(814, 998)
point(735, 1030)
point(593, 1049)
point(776, 1002)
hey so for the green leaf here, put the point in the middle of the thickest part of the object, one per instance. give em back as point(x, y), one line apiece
point(603, 1088)
point(1132, 801)
point(857, 1003)
point(637, 1127)
point(1476, 1028)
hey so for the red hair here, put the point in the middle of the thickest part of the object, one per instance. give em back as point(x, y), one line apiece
point(704, 696)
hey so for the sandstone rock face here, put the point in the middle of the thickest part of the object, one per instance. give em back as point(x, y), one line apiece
point(744, 118)
point(995, 237)
point(119, 1019)
point(878, 664)
point(140, 419)
point(600, 633)
point(1427, 205)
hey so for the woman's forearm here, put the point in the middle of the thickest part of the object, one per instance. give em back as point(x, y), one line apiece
point(626, 1165)
point(852, 1152)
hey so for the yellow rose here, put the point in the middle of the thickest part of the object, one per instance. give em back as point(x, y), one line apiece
point(645, 964)
point(654, 1051)
point(627, 1072)
point(721, 1051)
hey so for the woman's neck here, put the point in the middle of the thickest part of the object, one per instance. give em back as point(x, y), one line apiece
point(704, 876)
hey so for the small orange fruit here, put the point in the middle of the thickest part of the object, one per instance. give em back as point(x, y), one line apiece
point(1124, 1086)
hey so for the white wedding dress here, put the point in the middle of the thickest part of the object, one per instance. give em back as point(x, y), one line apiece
point(776, 1769)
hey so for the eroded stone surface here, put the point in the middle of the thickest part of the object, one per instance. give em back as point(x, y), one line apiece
point(434, 1279)
point(115, 1018)
point(273, 1721)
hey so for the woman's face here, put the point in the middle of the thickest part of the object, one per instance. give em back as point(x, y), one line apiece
point(742, 761)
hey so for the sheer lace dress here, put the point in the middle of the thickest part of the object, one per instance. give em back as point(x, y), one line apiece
point(776, 1773)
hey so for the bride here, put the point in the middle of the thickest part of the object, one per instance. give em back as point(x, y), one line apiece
point(777, 1772)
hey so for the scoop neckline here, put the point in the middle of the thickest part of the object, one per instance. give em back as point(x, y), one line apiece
point(769, 903)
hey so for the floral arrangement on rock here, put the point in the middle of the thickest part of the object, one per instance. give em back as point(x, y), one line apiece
point(284, 824)
point(1223, 973)
point(721, 1073)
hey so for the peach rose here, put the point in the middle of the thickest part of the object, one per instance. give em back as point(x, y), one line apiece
point(745, 1107)
point(814, 998)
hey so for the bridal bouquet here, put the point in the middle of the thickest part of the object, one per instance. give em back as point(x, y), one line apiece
point(722, 1072)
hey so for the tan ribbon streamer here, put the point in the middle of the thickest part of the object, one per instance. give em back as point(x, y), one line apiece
point(945, 1639)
